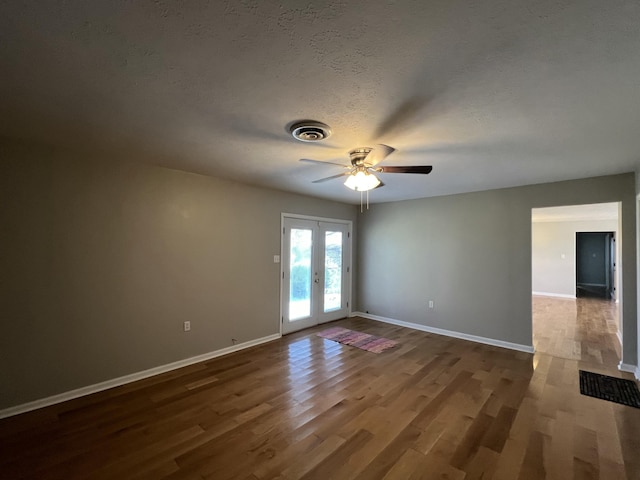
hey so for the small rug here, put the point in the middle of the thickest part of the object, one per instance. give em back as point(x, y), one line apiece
point(613, 389)
point(361, 340)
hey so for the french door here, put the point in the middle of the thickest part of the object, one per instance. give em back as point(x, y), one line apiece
point(315, 272)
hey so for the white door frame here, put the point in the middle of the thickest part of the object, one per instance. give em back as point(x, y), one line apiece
point(349, 260)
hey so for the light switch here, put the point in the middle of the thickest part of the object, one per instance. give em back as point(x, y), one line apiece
point(276, 259)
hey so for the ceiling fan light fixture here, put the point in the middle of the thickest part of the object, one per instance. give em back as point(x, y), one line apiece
point(362, 181)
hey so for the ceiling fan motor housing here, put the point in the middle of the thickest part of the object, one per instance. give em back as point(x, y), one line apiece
point(310, 131)
point(358, 155)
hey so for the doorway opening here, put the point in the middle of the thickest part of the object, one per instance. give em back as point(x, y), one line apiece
point(576, 282)
point(595, 264)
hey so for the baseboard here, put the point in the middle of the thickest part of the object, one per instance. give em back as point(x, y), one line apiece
point(637, 374)
point(116, 382)
point(557, 295)
point(626, 367)
point(448, 333)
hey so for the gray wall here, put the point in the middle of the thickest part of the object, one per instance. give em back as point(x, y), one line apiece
point(102, 261)
point(471, 255)
point(553, 274)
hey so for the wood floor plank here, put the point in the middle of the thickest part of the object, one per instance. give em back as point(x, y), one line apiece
point(383, 463)
point(408, 463)
point(534, 463)
point(338, 463)
point(482, 465)
point(509, 463)
point(286, 457)
point(433, 466)
point(299, 467)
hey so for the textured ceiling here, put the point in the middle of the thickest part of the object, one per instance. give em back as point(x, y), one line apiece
point(492, 93)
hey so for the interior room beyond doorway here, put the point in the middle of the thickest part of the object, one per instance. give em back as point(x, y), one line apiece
point(567, 323)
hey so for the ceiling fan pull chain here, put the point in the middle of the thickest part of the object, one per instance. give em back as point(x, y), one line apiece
point(361, 210)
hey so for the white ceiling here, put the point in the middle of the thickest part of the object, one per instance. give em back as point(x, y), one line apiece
point(493, 94)
point(573, 213)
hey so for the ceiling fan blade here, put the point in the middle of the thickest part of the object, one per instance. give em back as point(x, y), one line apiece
point(331, 177)
point(411, 169)
point(378, 153)
point(308, 160)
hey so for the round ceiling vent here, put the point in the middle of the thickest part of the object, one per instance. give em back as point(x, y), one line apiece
point(310, 131)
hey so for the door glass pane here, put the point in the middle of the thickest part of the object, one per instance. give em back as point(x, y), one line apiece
point(300, 274)
point(332, 271)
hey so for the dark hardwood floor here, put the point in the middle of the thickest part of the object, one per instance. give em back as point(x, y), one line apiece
point(305, 407)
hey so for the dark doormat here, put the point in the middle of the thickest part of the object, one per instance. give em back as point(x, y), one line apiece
point(613, 389)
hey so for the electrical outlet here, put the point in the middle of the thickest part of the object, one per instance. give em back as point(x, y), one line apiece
point(187, 326)
point(430, 303)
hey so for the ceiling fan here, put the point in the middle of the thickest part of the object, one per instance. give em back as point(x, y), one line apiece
point(364, 167)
